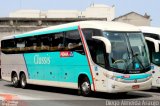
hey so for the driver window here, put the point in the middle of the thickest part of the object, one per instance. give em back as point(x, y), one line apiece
point(97, 50)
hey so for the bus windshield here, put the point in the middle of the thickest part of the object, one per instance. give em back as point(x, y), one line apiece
point(128, 51)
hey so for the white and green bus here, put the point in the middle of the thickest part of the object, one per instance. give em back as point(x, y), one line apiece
point(152, 36)
point(88, 55)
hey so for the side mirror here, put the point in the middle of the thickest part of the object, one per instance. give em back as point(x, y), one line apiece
point(106, 42)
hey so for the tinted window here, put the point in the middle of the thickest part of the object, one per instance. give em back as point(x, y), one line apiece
point(8, 46)
point(88, 33)
point(50, 42)
point(73, 42)
point(154, 56)
point(97, 50)
point(155, 36)
point(58, 41)
point(96, 47)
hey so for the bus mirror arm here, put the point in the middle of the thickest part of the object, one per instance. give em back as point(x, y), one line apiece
point(106, 42)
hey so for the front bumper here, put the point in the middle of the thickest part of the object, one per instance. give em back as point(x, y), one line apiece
point(116, 86)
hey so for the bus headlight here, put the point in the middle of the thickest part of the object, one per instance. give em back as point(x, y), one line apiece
point(112, 77)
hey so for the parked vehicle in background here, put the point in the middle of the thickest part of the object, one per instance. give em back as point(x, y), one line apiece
point(152, 36)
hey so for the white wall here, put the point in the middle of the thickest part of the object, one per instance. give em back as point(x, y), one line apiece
point(62, 13)
point(26, 14)
point(100, 11)
point(134, 19)
point(94, 11)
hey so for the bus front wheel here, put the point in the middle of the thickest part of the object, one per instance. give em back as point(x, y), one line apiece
point(85, 87)
point(23, 80)
point(15, 80)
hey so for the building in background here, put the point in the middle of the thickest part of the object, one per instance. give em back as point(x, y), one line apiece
point(94, 11)
point(135, 19)
point(27, 20)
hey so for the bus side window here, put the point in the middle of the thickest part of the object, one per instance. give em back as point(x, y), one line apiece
point(44, 43)
point(20, 45)
point(31, 44)
point(57, 42)
point(151, 48)
point(73, 42)
point(8, 46)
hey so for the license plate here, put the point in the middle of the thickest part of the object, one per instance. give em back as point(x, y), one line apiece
point(135, 86)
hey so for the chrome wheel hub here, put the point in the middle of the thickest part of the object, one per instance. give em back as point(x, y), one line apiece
point(23, 82)
point(86, 87)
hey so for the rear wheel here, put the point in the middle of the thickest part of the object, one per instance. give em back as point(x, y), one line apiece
point(85, 87)
point(15, 80)
point(23, 80)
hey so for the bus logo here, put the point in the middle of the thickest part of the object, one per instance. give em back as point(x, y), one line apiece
point(42, 59)
point(66, 54)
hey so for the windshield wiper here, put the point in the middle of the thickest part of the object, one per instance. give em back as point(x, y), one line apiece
point(134, 55)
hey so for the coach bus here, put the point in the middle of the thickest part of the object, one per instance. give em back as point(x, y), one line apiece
point(87, 55)
point(152, 36)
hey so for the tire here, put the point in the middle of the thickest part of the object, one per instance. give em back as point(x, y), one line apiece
point(158, 88)
point(85, 87)
point(23, 81)
point(122, 93)
point(15, 80)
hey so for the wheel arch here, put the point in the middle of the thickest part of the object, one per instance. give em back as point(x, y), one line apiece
point(81, 77)
point(21, 72)
point(14, 72)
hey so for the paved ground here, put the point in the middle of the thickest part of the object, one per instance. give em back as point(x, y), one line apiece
point(46, 96)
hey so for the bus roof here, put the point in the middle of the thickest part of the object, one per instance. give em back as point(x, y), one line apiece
point(148, 29)
point(103, 25)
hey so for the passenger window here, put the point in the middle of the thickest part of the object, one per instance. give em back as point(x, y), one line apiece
point(45, 43)
point(57, 42)
point(8, 46)
point(73, 42)
point(20, 45)
point(31, 44)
